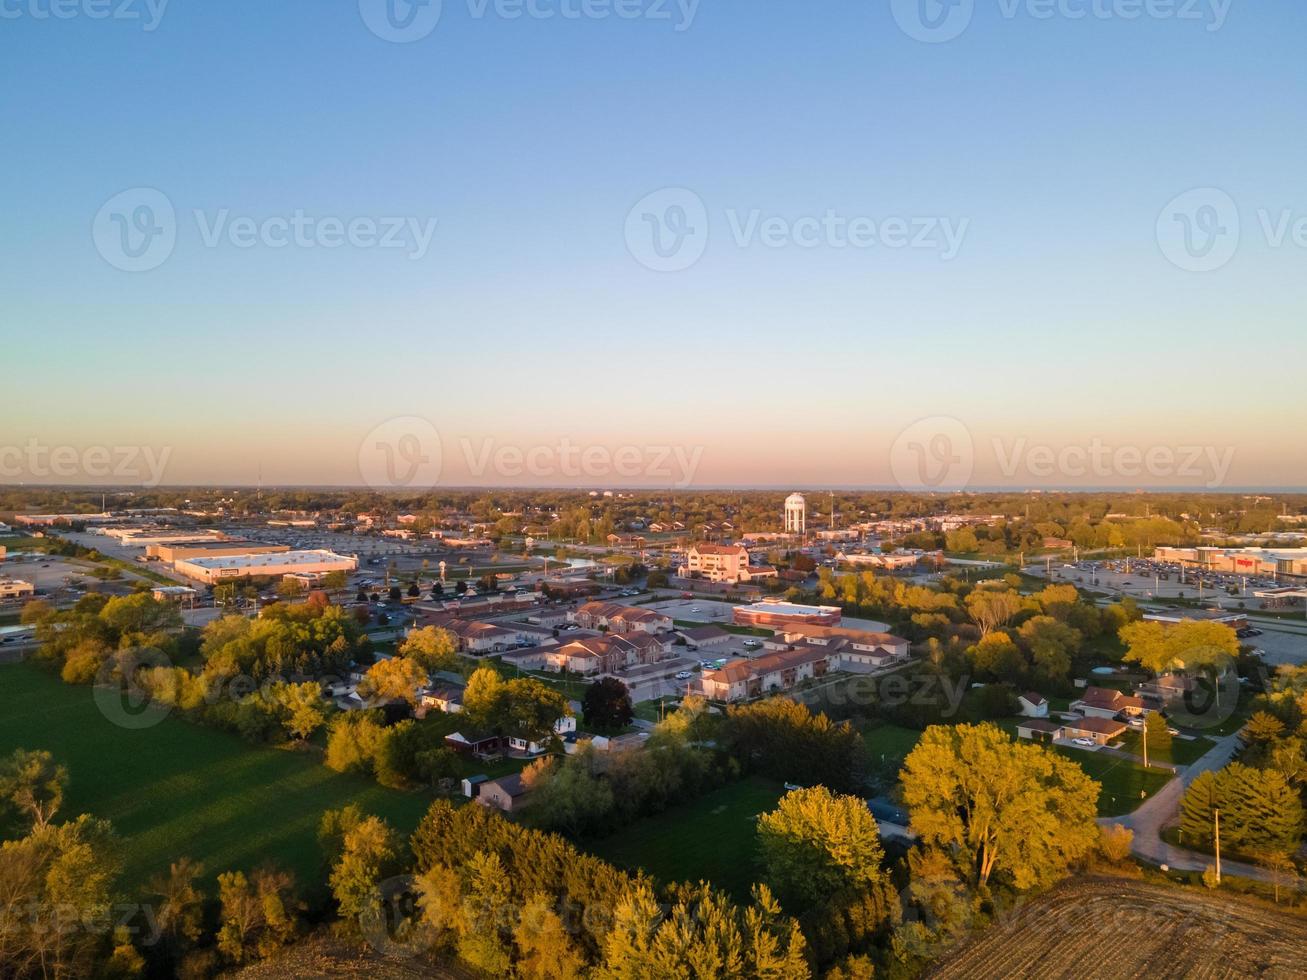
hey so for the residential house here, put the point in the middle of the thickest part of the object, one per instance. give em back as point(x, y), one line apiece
point(1039, 730)
point(563, 727)
point(447, 698)
point(1106, 702)
point(506, 793)
point(474, 743)
point(1033, 705)
point(1101, 730)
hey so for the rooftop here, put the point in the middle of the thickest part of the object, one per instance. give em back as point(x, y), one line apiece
point(274, 559)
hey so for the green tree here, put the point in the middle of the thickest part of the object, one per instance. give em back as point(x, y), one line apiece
point(1014, 808)
point(606, 705)
point(1158, 733)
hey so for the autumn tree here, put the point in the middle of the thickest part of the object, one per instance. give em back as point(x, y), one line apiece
point(394, 679)
point(816, 843)
point(991, 608)
point(431, 647)
point(369, 853)
point(259, 913)
point(32, 784)
point(1015, 808)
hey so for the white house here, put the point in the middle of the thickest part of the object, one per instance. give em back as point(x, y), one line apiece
point(562, 726)
point(1033, 705)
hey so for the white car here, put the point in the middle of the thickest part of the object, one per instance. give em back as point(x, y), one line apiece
point(683, 675)
point(1088, 742)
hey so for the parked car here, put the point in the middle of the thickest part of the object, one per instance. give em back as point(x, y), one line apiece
point(1088, 742)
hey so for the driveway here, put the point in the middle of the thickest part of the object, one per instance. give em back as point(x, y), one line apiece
point(1148, 821)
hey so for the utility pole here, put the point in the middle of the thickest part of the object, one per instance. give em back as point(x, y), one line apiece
point(1216, 814)
point(1145, 741)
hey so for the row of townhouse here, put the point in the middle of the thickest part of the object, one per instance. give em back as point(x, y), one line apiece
point(480, 638)
point(798, 656)
point(617, 618)
point(594, 655)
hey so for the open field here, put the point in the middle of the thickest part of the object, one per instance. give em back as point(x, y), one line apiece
point(1122, 779)
point(180, 789)
point(888, 745)
point(1117, 928)
point(712, 838)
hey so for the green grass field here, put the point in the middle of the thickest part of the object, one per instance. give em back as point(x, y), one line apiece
point(889, 745)
point(712, 838)
point(1121, 779)
point(1181, 752)
point(181, 789)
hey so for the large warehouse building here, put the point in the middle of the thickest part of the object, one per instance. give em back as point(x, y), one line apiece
point(210, 570)
point(211, 549)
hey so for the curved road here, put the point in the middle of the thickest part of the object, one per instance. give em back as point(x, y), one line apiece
point(1153, 814)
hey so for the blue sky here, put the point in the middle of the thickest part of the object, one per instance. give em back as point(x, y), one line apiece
point(1054, 142)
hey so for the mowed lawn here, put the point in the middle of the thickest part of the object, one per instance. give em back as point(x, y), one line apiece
point(182, 789)
point(1122, 780)
point(713, 838)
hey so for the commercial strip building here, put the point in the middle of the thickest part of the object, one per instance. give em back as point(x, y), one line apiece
point(1266, 562)
point(892, 562)
point(14, 588)
point(48, 520)
point(142, 537)
point(773, 612)
point(211, 570)
point(727, 563)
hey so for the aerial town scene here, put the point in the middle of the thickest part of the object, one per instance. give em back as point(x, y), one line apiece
point(639, 489)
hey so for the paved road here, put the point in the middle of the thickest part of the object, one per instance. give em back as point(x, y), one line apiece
point(1148, 820)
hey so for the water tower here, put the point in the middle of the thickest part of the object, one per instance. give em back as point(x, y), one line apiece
point(796, 514)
